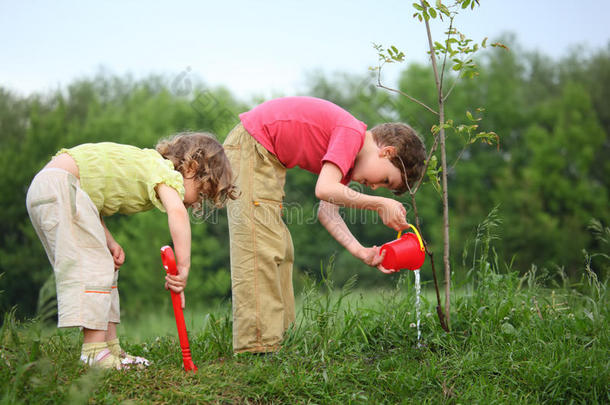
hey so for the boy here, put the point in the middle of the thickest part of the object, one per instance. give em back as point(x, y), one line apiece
point(322, 138)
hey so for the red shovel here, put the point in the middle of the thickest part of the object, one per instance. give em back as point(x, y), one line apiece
point(169, 263)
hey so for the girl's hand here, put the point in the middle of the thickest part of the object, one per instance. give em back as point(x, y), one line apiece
point(167, 287)
point(118, 255)
point(175, 283)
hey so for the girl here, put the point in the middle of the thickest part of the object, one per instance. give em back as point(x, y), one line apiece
point(68, 199)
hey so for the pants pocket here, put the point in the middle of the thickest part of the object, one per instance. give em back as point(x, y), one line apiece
point(269, 176)
point(88, 226)
point(43, 212)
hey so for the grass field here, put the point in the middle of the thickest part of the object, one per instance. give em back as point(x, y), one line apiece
point(531, 339)
point(161, 322)
point(512, 341)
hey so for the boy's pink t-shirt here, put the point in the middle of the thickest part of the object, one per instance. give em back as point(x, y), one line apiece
point(306, 132)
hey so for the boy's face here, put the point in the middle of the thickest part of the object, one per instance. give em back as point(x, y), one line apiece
point(376, 170)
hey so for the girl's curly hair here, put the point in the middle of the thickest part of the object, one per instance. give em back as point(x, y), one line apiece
point(203, 153)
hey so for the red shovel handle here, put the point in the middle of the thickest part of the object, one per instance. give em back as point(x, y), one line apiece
point(169, 263)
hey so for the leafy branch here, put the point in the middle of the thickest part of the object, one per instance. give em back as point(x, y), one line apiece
point(457, 52)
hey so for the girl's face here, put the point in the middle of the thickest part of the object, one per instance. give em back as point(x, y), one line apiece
point(192, 188)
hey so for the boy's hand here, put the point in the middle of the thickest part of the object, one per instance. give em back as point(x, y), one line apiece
point(371, 256)
point(118, 255)
point(386, 271)
point(393, 214)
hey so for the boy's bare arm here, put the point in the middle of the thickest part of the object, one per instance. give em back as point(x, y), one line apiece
point(180, 230)
point(330, 189)
point(328, 215)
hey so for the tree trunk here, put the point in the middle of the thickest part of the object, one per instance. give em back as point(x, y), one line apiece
point(441, 114)
point(446, 243)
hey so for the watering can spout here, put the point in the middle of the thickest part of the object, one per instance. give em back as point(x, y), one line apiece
point(406, 252)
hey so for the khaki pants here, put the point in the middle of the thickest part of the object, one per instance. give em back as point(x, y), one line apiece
point(69, 227)
point(261, 247)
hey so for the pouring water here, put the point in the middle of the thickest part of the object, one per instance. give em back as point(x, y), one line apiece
point(407, 252)
point(417, 304)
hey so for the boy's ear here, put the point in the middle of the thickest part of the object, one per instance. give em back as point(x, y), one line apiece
point(387, 152)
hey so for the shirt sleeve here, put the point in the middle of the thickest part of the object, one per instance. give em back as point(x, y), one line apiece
point(163, 172)
point(343, 146)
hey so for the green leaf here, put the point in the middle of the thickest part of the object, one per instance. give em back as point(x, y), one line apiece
point(432, 12)
point(418, 7)
point(433, 173)
point(500, 45)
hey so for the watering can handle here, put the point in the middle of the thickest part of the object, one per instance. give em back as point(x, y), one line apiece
point(421, 243)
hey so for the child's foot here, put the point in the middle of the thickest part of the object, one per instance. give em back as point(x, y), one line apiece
point(130, 359)
point(115, 348)
point(103, 359)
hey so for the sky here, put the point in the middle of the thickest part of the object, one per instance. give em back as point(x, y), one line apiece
point(258, 48)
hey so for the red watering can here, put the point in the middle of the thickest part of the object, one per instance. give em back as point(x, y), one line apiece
point(169, 263)
point(406, 252)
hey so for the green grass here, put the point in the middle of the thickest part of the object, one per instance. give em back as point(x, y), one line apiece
point(539, 338)
point(161, 322)
point(512, 341)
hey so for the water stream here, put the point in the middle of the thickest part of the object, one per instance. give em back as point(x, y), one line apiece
point(417, 304)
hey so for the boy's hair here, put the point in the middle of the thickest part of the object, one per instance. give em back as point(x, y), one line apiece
point(203, 153)
point(410, 150)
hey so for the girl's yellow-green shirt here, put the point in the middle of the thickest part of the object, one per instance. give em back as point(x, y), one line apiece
point(122, 178)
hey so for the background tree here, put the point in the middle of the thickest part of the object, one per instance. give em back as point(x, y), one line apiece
point(547, 111)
